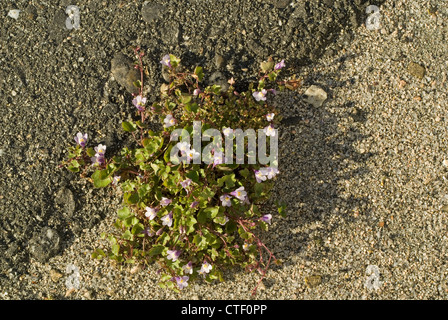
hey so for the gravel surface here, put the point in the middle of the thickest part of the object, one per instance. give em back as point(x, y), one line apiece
point(364, 173)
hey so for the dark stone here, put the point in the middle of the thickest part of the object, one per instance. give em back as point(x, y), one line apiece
point(281, 4)
point(124, 72)
point(219, 79)
point(152, 11)
point(64, 199)
point(44, 245)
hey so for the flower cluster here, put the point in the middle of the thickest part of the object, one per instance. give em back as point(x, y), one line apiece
point(265, 173)
point(192, 219)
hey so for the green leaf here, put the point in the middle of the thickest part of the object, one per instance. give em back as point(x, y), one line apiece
point(157, 249)
point(130, 221)
point(192, 107)
point(212, 212)
point(199, 73)
point(190, 223)
point(127, 235)
point(266, 66)
point(221, 219)
point(90, 152)
point(228, 179)
point(281, 207)
point(185, 98)
point(137, 84)
point(101, 178)
point(116, 249)
point(231, 227)
point(193, 175)
point(98, 254)
point(243, 233)
point(245, 173)
point(202, 216)
point(124, 213)
point(129, 126)
point(132, 198)
point(137, 229)
point(73, 169)
point(174, 61)
point(167, 154)
point(258, 189)
point(263, 225)
point(272, 76)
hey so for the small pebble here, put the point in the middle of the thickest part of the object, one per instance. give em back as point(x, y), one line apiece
point(14, 14)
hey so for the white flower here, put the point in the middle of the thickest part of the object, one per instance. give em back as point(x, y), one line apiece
point(169, 121)
point(239, 193)
point(270, 116)
point(269, 172)
point(260, 95)
point(206, 267)
point(226, 200)
point(183, 146)
point(151, 213)
point(227, 131)
point(192, 154)
point(269, 131)
point(260, 176)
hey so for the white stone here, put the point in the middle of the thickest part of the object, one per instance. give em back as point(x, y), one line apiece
point(14, 13)
point(315, 95)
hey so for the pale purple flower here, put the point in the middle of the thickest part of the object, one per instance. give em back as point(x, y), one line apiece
point(226, 200)
point(206, 267)
point(151, 213)
point(194, 204)
point(260, 95)
point(182, 282)
point(159, 232)
point(269, 131)
point(148, 232)
point(270, 116)
point(196, 92)
point(167, 220)
point(81, 139)
point(165, 201)
point(186, 183)
point(97, 160)
point(246, 246)
point(188, 268)
point(139, 102)
point(217, 159)
point(169, 121)
point(269, 172)
point(173, 254)
point(100, 150)
point(260, 176)
point(266, 218)
point(166, 61)
point(280, 65)
point(239, 193)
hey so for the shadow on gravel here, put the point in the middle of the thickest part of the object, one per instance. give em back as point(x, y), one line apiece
point(316, 158)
